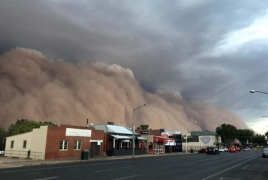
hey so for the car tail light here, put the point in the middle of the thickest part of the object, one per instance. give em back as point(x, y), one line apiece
point(206, 150)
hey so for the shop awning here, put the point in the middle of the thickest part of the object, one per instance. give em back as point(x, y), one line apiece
point(141, 138)
point(163, 139)
point(125, 140)
point(121, 137)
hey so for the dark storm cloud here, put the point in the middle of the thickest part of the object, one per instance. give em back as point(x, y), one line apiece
point(162, 42)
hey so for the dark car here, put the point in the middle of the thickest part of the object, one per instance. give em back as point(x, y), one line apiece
point(212, 150)
point(202, 150)
point(265, 152)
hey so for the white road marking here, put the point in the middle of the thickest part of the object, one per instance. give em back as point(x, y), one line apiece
point(33, 173)
point(127, 177)
point(188, 164)
point(245, 167)
point(62, 167)
point(229, 168)
point(113, 169)
point(47, 178)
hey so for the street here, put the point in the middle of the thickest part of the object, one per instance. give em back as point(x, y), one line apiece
point(226, 166)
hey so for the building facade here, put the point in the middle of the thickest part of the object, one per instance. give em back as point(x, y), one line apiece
point(53, 142)
point(118, 140)
point(197, 140)
point(162, 141)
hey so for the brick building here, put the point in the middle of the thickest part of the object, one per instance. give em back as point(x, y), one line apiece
point(53, 142)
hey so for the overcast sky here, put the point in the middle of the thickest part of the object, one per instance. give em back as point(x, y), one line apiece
point(210, 51)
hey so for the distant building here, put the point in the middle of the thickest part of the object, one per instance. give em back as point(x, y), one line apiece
point(162, 140)
point(200, 139)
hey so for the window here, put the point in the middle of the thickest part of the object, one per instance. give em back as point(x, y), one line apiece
point(12, 144)
point(24, 144)
point(77, 145)
point(63, 145)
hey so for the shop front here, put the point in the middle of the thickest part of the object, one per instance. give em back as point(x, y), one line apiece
point(159, 144)
point(122, 145)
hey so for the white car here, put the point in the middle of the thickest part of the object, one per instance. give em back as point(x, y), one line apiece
point(223, 149)
point(2, 152)
point(247, 149)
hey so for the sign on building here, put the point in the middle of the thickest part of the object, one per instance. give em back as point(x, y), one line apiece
point(78, 132)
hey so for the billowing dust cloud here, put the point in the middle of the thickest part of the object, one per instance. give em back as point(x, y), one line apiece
point(36, 88)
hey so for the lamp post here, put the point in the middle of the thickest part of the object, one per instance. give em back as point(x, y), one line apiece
point(187, 136)
point(253, 91)
point(133, 130)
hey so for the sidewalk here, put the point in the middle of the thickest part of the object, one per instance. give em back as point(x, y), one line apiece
point(7, 162)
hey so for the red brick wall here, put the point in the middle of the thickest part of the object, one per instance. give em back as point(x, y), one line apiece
point(56, 134)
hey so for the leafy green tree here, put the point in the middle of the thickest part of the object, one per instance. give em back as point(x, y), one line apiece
point(245, 135)
point(259, 139)
point(266, 134)
point(3, 135)
point(25, 125)
point(228, 132)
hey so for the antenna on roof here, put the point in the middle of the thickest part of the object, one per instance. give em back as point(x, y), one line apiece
point(87, 122)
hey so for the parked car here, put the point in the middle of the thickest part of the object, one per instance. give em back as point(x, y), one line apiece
point(2, 153)
point(232, 150)
point(246, 149)
point(212, 150)
point(265, 152)
point(223, 149)
point(203, 150)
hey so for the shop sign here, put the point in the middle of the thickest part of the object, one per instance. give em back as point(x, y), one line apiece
point(144, 132)
point(78, 132)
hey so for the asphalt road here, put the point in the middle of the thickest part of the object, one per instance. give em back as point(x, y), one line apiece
point(226, 166)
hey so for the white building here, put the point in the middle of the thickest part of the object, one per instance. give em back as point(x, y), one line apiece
point(197, 140)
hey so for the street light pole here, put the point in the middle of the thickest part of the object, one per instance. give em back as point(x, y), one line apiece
point(133, 130)
point(187, 137)
point(253, 91)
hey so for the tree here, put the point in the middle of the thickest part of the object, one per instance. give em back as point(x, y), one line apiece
point(259, 139)
point(266, 134)
point(3, 135)
point(245, 135)
point(144, 127)
point(25, 125)
point(228, 132)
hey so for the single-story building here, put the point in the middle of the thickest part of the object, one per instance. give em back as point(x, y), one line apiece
point(197, 140)
point(118, 140)
point(162, 140)
point(53, 142)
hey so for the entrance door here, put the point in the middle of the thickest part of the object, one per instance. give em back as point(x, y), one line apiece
point(94, 149)
point(159, 148)
point(156, 149)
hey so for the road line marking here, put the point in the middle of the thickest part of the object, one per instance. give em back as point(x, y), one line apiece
point(61, 167)
point(245, 167)
point(47, 178)
point(114, 169)
point(188, 164)
point(33, 173)
point(127, 177)
point(229, 168)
